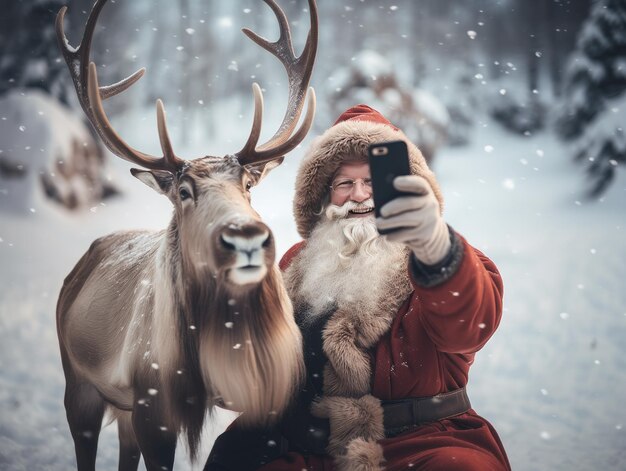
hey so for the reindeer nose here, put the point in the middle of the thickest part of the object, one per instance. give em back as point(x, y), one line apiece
point(246, 238)
point(249, 249)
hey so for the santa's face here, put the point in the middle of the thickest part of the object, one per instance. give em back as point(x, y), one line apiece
point(352, 183)
point(346, 260)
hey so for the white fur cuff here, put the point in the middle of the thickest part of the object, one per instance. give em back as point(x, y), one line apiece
point(361, 455)
point(350, 418)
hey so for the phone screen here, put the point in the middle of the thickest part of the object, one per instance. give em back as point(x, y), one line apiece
point(387, 161)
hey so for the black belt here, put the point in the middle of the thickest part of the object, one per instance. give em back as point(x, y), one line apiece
point(403, 414)
point(308, 434)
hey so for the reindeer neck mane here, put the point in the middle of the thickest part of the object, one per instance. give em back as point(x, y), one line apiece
point(245, 334)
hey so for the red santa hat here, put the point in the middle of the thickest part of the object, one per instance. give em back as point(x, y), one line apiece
point(363, 113)
point(346, 141)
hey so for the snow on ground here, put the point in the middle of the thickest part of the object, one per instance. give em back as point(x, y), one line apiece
point(551, 380)
point(552, 377)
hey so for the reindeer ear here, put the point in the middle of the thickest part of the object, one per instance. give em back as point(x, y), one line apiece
point(159, 180)
point(260, 171)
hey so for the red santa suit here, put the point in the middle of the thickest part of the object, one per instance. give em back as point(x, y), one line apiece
point(417, 341)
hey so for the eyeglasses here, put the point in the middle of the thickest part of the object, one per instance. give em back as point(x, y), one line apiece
point(345, 186)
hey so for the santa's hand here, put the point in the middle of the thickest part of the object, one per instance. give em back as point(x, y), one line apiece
point(416, 220)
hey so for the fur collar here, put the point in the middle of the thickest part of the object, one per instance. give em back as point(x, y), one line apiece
point(356, 417)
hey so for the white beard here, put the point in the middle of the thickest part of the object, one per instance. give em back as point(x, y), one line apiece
point(346, 261)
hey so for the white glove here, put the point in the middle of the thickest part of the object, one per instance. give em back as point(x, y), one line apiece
point(416, 220)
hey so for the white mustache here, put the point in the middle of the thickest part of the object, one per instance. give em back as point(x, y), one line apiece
point(334, 212)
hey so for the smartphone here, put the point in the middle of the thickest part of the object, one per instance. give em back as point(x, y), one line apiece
point(388, 160)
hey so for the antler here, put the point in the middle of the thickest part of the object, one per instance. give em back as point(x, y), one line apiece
point(90, 96)
point(299, 71)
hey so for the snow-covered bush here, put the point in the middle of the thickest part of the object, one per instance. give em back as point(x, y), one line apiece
point(460, 94)
point(516, 108)
point(519, 115)
point(461, 125)
point(371, 79)
point(47, 154)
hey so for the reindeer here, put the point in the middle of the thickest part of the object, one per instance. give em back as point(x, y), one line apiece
point(159, 327)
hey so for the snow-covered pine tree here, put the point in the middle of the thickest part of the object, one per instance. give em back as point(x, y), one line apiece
point(595, 102)
point(597, 70)
point(603, 146)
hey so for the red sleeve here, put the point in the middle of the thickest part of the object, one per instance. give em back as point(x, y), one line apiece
point(290, 255)
point(462, 313)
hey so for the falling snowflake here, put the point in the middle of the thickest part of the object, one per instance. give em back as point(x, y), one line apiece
point(508, 183)
point(225, 22)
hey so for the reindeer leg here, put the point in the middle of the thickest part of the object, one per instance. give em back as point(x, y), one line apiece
point(129, 448)
point(84, 408)
point(156, 439)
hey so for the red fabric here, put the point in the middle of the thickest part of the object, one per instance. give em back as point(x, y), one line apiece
point(363, 113)
point(429, 350)
point(289, 255)
point(432, 340)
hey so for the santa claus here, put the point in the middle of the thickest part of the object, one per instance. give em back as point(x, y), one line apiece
point(390, 323)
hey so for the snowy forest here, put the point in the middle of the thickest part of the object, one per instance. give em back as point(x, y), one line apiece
point(518, 106)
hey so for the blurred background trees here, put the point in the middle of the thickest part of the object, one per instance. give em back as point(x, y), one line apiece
point(445, 64)
point(594, 106)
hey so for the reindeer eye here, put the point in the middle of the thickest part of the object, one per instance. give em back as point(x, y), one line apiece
point(184, 193)
point(248, 185)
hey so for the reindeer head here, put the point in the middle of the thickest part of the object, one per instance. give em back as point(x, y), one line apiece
point(217, 228)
